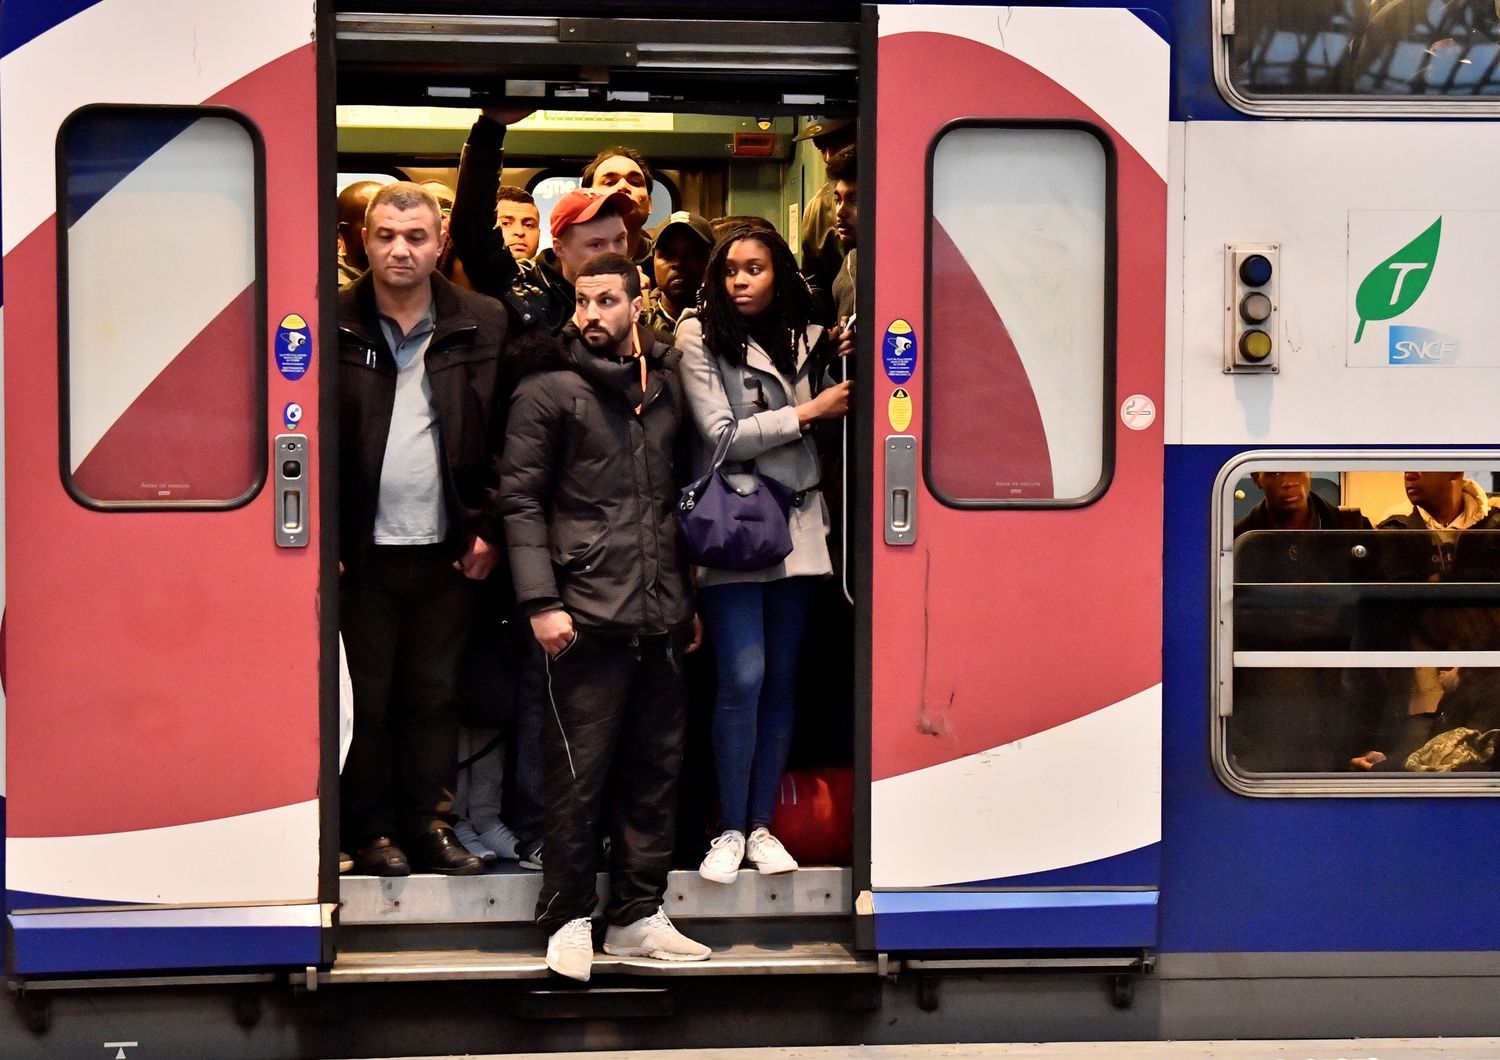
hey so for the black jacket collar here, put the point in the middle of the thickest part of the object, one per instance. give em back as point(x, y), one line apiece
point(359, 316)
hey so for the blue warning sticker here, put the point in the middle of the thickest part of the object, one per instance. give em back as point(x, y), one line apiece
point(899, 351)
point(293, 346)
point(292, 415)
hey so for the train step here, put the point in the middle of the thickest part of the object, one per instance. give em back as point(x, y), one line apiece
point(508, 895)
point(743, 959)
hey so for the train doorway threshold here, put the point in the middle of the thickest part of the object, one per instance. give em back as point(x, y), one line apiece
point(427, 928)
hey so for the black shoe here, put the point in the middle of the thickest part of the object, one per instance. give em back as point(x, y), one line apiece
point(440, 851)
point(382, 857)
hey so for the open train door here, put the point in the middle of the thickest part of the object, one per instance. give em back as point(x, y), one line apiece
point(161, 241)
point(1019, 187)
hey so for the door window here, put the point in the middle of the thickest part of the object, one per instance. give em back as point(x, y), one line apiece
point(162, 320)
point(1020, 340)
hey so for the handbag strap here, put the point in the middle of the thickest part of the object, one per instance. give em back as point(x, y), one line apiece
point(721, 451)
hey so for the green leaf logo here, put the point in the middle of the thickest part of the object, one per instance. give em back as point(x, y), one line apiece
point(1396, 283)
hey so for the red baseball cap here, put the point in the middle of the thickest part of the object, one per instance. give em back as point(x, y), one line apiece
point(585, 204)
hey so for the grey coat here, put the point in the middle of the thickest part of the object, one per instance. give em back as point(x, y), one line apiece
point(763, 401)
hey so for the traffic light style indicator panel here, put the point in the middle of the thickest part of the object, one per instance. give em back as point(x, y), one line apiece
point(1252, 336)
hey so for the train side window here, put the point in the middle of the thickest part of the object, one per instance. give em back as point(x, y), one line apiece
point(1359, 636)
point(161, 307)
point(1020, 342)
point(1401, 49)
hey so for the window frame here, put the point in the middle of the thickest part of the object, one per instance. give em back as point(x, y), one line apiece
point(1111, 302)
point(62, 219)
point(1291, 106)
point(1221, 635)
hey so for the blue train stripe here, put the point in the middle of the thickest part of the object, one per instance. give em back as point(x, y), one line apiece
point(932, 921)
point(104, 149)
point(1134, 868)
point(23, 23)
point(160, 939)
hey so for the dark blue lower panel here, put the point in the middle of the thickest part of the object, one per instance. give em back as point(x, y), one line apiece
point(159, 940)
point(908, 921)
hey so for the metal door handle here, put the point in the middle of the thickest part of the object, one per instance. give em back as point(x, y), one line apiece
point(900, 489)
point(290, 460)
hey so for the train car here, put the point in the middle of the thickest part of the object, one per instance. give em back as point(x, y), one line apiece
point(1131, 755)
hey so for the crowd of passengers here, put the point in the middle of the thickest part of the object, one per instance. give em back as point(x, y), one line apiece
point(1288, 719)
point(515, 429)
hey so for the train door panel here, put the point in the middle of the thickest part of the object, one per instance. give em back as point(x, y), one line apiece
point(161, 246)
point(1020, 203)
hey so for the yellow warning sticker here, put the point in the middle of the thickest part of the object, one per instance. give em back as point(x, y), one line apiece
point(899, 409)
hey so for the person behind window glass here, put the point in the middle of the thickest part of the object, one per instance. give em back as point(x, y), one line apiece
point(1432, 541)
point(519, 221)
point(1293, 720)
point(752, 360)
point(1462, 734)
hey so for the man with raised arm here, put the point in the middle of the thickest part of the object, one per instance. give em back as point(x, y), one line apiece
point(538, 292)
point(589, 498)
point(421, 411)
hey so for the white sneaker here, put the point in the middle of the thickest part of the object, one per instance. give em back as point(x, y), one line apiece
point(570, 949)
point(722, 863)
point(656, 937)
point(765, 852)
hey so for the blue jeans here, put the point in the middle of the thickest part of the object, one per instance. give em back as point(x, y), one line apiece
point(756, 630)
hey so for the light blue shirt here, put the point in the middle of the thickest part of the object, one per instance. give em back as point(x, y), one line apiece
point(409, 509)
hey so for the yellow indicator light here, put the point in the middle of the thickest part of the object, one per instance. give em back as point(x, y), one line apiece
point(1255, 345)
point(1255, 308)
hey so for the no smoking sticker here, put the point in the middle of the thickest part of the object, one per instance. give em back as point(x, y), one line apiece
point(1138, 412)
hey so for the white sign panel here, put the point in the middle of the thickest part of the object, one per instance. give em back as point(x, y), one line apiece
point(1416, 289)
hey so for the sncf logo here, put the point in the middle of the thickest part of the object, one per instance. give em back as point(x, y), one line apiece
point(1411, 345)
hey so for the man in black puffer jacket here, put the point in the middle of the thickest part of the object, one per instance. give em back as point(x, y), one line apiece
point(589, 496)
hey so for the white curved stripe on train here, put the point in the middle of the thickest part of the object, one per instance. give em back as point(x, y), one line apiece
point(266, 856)
point(1084, 63)
point(187, 50)
point(1085, 790)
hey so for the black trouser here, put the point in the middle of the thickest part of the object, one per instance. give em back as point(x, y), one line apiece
point(527, 809)
point(404, 615)
point(612, 750)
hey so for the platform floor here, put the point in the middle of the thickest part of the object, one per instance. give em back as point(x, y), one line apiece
point(1351, 1049)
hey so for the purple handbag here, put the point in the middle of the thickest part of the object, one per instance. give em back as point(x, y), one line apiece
point(720, 527)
